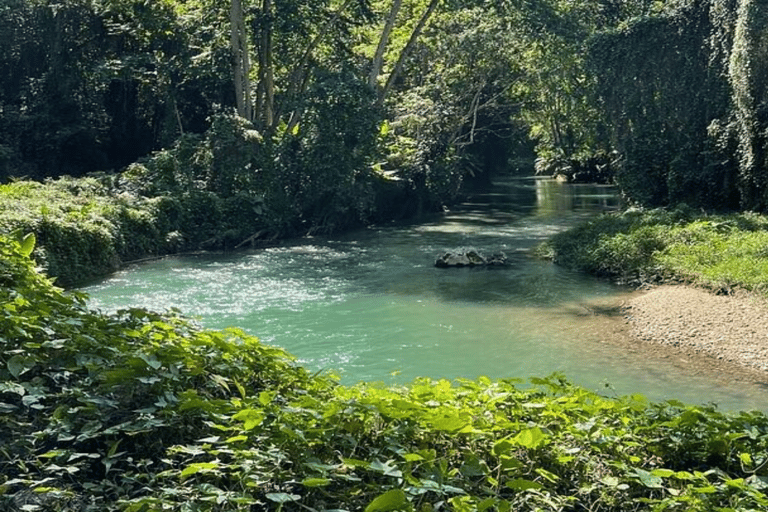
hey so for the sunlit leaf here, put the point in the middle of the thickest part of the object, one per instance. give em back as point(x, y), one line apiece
point(531, 438)
point(251, 418)
point(315, 482)
point(392, 500)
point(198, 467)
point(520, 484)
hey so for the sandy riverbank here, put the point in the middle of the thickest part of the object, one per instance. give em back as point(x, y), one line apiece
point(719, 335)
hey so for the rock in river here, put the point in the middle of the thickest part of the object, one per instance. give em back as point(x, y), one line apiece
point(470, 258)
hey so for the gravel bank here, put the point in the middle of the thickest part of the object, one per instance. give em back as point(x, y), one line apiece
point(728, 333)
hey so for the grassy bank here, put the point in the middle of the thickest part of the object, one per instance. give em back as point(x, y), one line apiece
point(720, 252)
point(140, 411)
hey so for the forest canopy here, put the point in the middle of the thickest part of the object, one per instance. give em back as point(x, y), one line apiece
point(667, 98)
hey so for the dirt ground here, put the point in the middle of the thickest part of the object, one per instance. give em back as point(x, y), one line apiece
point(725, 336)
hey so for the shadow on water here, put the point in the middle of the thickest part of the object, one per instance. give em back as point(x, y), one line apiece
point(371, 304)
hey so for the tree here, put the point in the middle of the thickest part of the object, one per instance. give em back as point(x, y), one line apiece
point(241, 62)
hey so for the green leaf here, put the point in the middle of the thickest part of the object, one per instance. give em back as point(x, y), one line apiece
point(384, 128)
point(315, 482)
point(530, 438)
point(449, 423)
point(548, 475)
point(520, 484)
point(282, 497)
point(19, 364)
point(649, 480)
point(26, 243)
point(386, 468)
point(251, 418)
point(265, 397)
point(356, 463)
point(389, 501)
point(198, 467)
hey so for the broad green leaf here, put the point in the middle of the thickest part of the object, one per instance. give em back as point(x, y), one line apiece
point(266, 397)
point(486, 504)
point(282, 497)
point(19, 364)
point(27, 244)
point(510, 463)
point(197, 467)
point(394, 499)
point(449, 423)
point(356, 463)
point(531, 438)
point(251, 418)
point(502, 447)
point(151, 360)
point(386, 468)
point(662, 473)
point(520, 484)
point(649, 480)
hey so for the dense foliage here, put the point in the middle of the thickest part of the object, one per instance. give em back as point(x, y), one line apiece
point(88, 227)
point(684, 96)
point(721, 252)
point(142, 411)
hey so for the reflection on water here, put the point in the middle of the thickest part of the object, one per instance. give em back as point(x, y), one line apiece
point(370, 305)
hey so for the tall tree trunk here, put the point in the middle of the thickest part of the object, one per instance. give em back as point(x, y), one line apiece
point(266, 70)
point(408, 47)
point(378, 58)
point(241, 65)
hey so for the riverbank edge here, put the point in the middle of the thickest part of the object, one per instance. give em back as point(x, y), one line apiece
point(701, 284)
point(725, 336)
point(88, 228)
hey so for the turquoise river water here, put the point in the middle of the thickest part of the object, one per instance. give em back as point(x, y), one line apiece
point(370, 305)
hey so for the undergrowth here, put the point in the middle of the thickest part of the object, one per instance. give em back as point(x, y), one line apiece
point(721, 252)
point(138, 411)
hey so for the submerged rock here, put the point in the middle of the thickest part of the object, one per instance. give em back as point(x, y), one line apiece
point(470, 258)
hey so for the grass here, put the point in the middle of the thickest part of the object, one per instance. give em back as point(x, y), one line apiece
point(721, 252)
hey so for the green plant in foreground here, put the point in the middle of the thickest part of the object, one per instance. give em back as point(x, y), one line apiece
point(139, 411)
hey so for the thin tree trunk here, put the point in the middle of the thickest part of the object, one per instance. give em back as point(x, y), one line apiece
point(378, 58)
point(240, 60)
point(266, 71)
point(408, 47)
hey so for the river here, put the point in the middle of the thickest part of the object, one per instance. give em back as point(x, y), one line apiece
point(369, 305)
